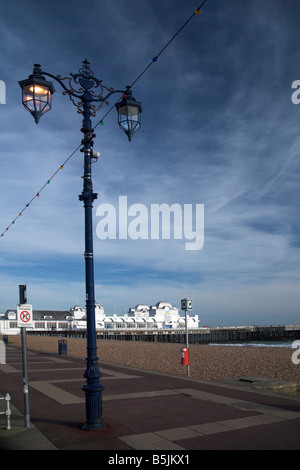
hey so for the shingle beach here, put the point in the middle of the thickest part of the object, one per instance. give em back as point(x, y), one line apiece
point(207, 362)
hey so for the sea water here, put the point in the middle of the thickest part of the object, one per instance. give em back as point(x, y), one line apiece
point(260, 344)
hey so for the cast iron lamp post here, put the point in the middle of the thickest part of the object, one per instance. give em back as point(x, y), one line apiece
point(36, 96)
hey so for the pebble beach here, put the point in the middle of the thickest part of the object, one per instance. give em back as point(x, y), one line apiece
point(207, 362)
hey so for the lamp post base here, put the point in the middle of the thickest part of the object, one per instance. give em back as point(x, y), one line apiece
point(93, 403)
point(93, 427)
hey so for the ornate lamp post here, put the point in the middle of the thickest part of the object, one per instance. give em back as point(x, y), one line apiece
point(36, 96)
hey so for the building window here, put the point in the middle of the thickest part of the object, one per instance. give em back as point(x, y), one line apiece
point(40, 325)
point(51, 325)
point(13, 324)
point(63, 326)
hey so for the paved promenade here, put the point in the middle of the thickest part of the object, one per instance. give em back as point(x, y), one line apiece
point(141, 410)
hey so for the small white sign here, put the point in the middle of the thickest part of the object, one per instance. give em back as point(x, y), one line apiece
point(24, 314)
point(186, 304)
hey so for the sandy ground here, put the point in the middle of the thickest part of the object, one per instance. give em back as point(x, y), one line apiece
point(206, 362)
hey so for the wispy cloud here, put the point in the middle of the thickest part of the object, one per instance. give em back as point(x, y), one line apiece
point(218, 128)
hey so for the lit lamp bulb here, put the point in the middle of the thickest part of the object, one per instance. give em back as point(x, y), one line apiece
point(36, 93)
point(38, 90)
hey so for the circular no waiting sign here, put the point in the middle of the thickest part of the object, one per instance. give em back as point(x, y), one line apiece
point(25, 316)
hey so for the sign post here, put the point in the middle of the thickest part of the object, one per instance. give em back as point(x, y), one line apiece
point(187, 304)
point(25, 319)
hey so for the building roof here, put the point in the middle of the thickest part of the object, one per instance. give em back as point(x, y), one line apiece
point(41, 315)
point(141, 307)
point(163, 305)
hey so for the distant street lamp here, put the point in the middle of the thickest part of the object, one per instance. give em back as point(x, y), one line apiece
point(36, 97)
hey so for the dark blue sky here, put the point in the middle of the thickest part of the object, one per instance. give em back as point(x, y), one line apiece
point(218, 128)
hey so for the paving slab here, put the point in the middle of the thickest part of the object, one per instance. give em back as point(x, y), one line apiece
point(142, 410)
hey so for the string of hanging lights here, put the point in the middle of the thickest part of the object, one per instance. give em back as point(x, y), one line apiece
point(61, 167)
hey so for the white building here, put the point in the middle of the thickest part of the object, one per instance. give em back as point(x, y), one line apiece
point(79, 317)
point(163, 315)
point(160, 316)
